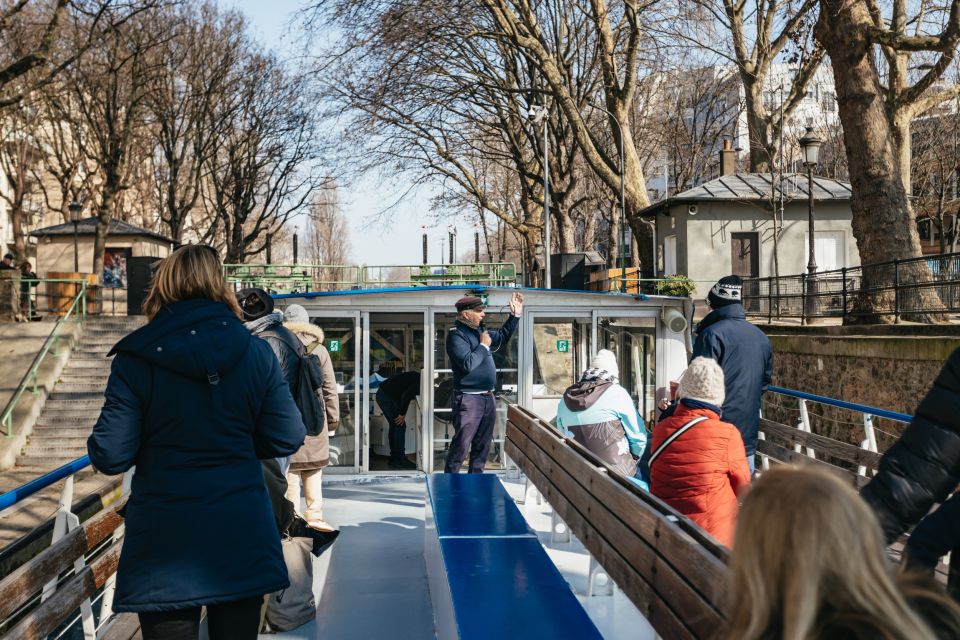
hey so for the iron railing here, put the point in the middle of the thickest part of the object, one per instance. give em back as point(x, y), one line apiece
point(900, 288)
point(300, 278)
point(77, 309)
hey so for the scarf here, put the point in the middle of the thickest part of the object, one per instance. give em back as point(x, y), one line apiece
point(598, 374)
point(700, 404)
point(260, 324)
point(472, 325)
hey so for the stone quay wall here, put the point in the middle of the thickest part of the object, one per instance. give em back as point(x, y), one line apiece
point(889, 369)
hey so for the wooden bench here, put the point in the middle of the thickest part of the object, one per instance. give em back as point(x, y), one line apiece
point(670, 569)
point(780, 441)
point(63, 564)
point(489, 576)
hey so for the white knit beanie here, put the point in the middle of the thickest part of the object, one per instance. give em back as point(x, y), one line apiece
point(607, 361)
point(703, 381)
point(296, 314)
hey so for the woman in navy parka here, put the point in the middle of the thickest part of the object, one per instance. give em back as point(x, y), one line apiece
point(194, 401)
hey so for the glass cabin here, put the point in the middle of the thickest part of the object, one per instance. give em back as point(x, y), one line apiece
point(376, 333)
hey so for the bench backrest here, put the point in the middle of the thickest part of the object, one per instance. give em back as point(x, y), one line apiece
point(670, 569)
point(780, 442)
point(24, 584)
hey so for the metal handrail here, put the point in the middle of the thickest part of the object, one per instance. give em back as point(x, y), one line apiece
point(853, 406)
point(14, 496)
point(6, 421)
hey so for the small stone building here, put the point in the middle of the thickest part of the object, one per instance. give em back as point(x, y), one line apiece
point(726, 226)
point(55, 248)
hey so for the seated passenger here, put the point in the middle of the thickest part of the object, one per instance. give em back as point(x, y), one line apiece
point(697, 464)
point(601, 416)
point(809, 562)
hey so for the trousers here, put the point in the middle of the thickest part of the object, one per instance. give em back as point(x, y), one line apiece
point(312, 493)
point(237, 620)
point(474, 417)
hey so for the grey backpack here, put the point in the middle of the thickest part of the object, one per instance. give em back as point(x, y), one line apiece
point(294, 606)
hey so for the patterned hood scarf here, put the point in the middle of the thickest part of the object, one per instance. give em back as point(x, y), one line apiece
point(598, 375)
point(462, 318)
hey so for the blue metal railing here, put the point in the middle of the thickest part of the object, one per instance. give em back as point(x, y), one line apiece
point(14, 496)
point(853, 406)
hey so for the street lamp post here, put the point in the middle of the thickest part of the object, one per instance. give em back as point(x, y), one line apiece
point(623, 202)
point(810, 146)
point(75, 208)
point(539, 114)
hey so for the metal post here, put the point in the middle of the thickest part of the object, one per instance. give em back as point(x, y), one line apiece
point(295, 247)
point(269, 248)
point(546, 202)
point(843, 274)
point(623, 218)
point(76, 250)
point(812, 261)
point(424, 248)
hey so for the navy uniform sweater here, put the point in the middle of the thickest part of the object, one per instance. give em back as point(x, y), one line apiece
point(472, 363)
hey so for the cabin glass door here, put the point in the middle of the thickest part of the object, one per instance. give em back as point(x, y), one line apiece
point(633, 340)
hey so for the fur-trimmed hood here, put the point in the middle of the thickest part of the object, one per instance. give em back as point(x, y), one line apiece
point(308, 333)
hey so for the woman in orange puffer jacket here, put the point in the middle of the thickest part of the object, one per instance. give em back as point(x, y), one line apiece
point(700, 469)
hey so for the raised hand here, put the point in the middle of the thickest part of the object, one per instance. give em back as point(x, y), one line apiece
point(516, 303)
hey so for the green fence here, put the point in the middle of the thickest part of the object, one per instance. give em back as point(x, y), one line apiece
point(300, 278)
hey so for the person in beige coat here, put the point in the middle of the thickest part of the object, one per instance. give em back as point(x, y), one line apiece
point(306, 465)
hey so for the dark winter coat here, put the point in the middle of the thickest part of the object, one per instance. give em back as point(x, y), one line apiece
point(922, 468)
point(472, 363)
point(744, 354)
point(194, 402)
point(280, 339)
point(395, 394)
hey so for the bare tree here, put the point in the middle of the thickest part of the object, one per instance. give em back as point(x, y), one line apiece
point(110, 85)
point(266, 162)
point(198, 64)
point(876, 112)
point(18, 157)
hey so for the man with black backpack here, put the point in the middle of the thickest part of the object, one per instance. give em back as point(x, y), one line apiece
point(294, 606)
point(299, 372)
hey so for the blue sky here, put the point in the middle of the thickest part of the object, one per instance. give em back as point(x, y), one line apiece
point(398, 241)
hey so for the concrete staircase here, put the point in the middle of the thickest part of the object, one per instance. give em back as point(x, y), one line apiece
point(60, 434)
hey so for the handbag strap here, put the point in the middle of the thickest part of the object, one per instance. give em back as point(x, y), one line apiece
point(676, 434)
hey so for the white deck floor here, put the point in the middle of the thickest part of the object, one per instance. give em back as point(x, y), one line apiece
point(373, 580)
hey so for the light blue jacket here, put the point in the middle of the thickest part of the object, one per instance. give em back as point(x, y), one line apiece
point(614, 404)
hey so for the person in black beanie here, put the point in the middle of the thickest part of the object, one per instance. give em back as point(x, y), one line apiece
point(744, 354)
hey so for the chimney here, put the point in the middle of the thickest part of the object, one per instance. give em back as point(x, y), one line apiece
point(728, 159)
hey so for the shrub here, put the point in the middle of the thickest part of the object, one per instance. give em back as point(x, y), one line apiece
point(676, 285)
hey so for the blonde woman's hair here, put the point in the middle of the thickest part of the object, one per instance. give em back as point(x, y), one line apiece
point(809, 551)
point(190, 272)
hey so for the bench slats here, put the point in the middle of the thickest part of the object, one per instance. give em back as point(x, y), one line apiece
point(631, 539)
point(822, 444)
point(704, 568)
point(29, 578)
point(40, 622)
point(789, 456)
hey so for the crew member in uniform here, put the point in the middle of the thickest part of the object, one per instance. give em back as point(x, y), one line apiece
point(470, 348)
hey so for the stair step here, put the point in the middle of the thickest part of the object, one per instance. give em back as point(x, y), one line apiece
point(62, 431)
point(52, 452)
point(79, 398)
point(80, 387)
point(72, 441)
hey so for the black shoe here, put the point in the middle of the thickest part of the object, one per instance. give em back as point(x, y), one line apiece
point(402, 463)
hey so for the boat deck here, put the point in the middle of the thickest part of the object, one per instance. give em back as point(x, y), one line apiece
point(373, 580)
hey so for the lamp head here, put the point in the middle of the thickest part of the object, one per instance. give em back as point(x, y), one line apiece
point(810, 146)
point(75, 209)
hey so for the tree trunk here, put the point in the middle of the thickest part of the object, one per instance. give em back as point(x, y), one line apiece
point(566, 238)
point(883, 221)
point(757, 131)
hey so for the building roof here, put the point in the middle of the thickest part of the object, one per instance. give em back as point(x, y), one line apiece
point(756, 187)
point(88, 227)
